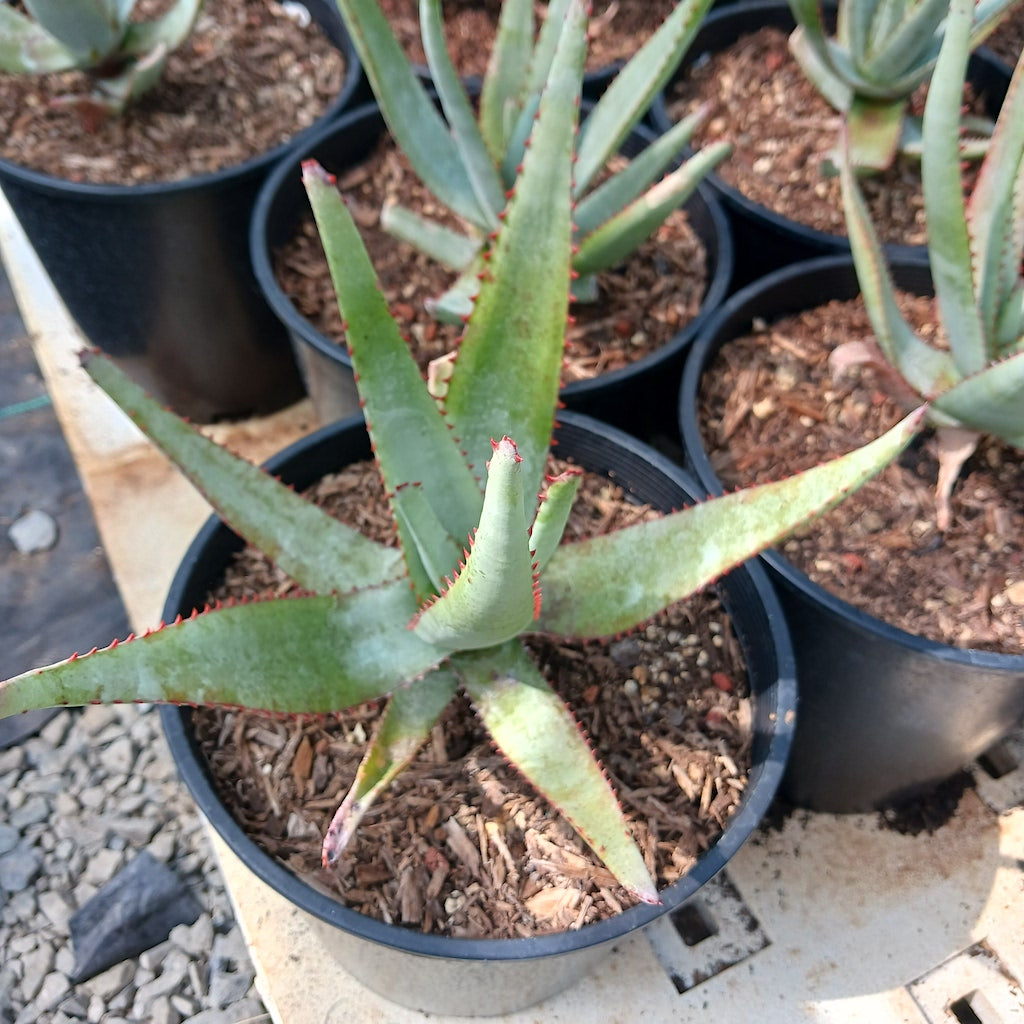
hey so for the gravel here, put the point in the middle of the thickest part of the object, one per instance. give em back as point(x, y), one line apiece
point(77, 802)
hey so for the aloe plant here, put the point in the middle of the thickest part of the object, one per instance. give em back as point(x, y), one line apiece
point(478, 566)
point(881, 52)
point(975, 247)
point(123, 57)
point(468, 155)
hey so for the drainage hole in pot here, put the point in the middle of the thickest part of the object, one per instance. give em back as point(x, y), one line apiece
point(707, 934)
point(964, 1012)
point(694, 923)
point(999, 760)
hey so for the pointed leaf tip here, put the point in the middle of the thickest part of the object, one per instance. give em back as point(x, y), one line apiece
point(313, 171)
point(506, 448)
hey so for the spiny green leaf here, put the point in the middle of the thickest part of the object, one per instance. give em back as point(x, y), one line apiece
point(533, 728)
point(619, 236)
point(404, 727)
point(547, 45)
point(450, 248)
point(501, 93)
point(494, 596)
point(395, 400)
point(633, 89)
point(297, 655)
point(27, 48)
point(480, 166)
point(90, 28)
point(410, 114)
point(620, 189)
point(506, 376)
point(612, 583)
point(995, 214)
point(949, 246)
point(927, 370)
point(316, 550)
point(553, 515)
point(990, 400)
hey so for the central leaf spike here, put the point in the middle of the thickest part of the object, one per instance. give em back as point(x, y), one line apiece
point(493, 595)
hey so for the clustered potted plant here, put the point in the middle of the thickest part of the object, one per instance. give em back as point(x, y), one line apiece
point(887, 712)
point(143, 230)
point(478, 569)
point(862, 64)
point(467, 157)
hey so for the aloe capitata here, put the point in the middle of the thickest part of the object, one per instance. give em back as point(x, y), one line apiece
point(123, 57)
point(882, 51)
point(469, 157)
point(476, 569)
point(975, 247)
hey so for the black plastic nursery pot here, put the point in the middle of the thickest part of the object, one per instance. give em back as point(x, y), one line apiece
point(440, 974)
point(884, 714)
point(639, 398)
point(158, 275)
point(764, 239)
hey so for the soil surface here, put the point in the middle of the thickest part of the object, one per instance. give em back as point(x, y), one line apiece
point(618, 28)
point(642, 304)
point(1007, 40)
point(459, 844)
point(782, 131)
point(771, 404)
point(248, 78)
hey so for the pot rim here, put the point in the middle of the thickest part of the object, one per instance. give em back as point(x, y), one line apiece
point(765, 778)
point(283, 307)
point(704, 347)
point(40, 181)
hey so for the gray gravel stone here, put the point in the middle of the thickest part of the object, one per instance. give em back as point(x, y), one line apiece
point(34, 810)
point(75, 1006)
point(19, 868)
point(110, 981)
point(116, 794)
point(36, 964)
point(228, 987)
point(184, 1006)
point(171, 979)
point(33, 532)
point(56, 909)
point(55, 987)
point(56, 729)
point(213, 1016)
point(102, 866)
point(9, 837)
point(163, 1012)
point(194, 939)
point(119, 756)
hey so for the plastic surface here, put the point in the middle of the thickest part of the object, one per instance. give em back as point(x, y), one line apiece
point(639, 398)
point(765, 240)
point(883, 714)
point(158, 275)
point(447, 975)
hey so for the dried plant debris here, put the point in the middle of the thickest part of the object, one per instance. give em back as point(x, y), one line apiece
point(459, 845)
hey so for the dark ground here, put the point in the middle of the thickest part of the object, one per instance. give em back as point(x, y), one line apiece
point(63, 599)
